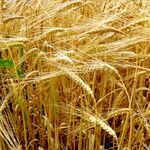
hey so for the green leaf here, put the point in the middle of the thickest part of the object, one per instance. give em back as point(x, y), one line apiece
point(20, 73)
point(6, 63)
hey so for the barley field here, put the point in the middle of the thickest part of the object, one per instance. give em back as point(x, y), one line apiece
point(74, 75)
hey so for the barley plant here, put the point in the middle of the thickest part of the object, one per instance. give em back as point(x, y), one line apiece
point(74, 75)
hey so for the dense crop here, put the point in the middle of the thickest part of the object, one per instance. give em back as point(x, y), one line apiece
point(75, 75)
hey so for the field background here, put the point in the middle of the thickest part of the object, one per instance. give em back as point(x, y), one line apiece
point(75, 75)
